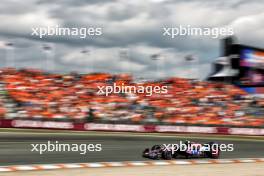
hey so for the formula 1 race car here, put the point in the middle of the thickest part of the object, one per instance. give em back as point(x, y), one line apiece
point(192, 150)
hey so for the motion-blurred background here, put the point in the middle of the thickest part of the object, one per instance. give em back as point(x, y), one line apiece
point(56, 78)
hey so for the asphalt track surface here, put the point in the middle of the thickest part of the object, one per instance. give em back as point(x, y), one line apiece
point(15, 147)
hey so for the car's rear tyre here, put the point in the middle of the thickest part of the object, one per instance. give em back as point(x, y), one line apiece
point(175, 155)
point(167, 155)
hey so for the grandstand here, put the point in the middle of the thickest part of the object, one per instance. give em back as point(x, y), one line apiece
point(37, 95)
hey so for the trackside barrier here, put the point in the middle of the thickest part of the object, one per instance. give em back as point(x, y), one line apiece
point(33, 124)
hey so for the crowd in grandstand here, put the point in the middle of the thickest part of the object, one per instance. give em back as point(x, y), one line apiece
point(33, 94)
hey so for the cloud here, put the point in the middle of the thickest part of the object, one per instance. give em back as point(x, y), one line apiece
point(134, 25)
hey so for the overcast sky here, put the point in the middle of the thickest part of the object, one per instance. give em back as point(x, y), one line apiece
point(131, 26)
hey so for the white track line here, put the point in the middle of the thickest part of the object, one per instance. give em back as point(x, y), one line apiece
point(126, 164)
